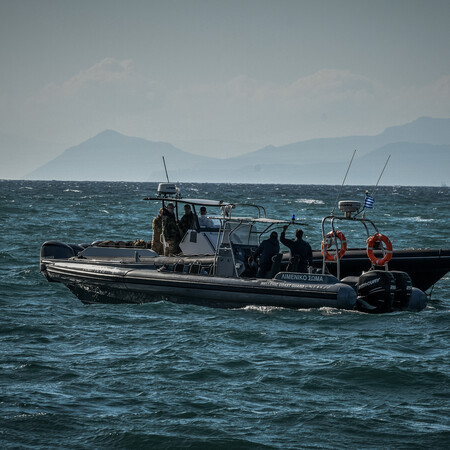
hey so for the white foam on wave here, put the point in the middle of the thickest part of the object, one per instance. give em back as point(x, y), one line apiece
point(419, 219)
point(263, 309)
point(329, 311)
point(310, 201)
point(325, 310)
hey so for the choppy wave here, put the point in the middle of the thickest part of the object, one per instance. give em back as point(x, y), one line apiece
point(164, 375)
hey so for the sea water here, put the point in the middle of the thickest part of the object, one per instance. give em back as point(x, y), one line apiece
point(163, 375)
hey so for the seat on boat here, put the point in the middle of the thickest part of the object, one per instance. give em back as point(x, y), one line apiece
point(178, 266)
point(195, 267)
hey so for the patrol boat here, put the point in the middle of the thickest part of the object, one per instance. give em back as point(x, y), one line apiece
point(215, 267)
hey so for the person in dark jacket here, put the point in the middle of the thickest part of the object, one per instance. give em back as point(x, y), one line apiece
point(266, 251)
point(188, 221)
point(298, 247)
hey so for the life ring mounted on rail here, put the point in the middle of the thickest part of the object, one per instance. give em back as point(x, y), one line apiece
point(371, 241)
point(326, 245)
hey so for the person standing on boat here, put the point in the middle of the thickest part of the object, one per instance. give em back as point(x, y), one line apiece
point(298, 247)
point(170, 231)
point(157, 230)
point(203, 220)
point(188, 221)
point(266, 251)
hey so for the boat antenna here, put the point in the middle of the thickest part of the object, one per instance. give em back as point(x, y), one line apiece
point(343, 181)
point(368, 202)
point(381, 174)
point(165, 168)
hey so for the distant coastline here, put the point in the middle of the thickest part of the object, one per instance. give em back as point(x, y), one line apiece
point(420, 156)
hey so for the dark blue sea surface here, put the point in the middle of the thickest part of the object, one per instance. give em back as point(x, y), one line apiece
point(163, 375)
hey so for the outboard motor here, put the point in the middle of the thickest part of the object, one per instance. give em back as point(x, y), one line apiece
point(58, 250)
point(376, 290)
point(403, 289)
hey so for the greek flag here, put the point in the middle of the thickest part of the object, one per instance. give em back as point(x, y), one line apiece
point(368, 202)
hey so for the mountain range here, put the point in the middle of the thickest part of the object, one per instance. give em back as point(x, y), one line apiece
point(419, 155)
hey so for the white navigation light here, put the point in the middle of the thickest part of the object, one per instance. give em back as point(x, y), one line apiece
point(167, 189)
point(349, 207)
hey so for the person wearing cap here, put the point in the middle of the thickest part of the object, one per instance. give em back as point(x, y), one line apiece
point(298, 247)
point(157, 230)
point(266, 251)
point(170, 231)
point(203, 220)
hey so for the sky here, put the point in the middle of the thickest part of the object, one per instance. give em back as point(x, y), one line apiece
point(215, 77)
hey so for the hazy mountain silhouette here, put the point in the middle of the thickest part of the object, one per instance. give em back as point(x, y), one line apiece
point(112, 156)
point(420, 153)
point(423, 130)
point(409, 164)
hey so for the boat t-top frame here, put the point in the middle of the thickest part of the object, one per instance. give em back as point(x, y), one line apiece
point(330, 239)
point(227, 224)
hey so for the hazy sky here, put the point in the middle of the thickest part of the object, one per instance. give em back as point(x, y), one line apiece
point(219, 76)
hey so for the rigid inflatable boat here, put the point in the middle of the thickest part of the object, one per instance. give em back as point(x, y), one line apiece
point(215, 266)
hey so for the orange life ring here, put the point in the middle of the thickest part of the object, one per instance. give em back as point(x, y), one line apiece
point(377, 237)
point(325, 245)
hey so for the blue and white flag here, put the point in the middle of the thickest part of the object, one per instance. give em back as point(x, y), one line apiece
point(368, 202)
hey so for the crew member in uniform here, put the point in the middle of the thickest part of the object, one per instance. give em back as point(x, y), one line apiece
point(157, 230)
point(188, 221)
point(266, 251)
point(298, 247)
point(170, 231)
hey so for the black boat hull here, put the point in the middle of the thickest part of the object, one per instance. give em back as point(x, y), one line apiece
point(425, 267)
point(97, 283)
